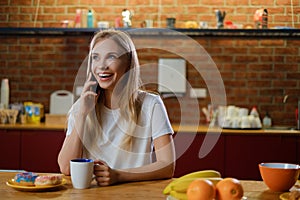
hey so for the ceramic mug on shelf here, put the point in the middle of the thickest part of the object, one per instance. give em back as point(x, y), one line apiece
point(232, 111)
point(171, 22)
point(149, 23)
point(243, 112)
point(81, 172)
point(245, 122)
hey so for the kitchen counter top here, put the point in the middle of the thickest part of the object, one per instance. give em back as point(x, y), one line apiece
point(206, 129)
point(202, 129)
point(244, 33)
point(41, 126)
point(253, 190)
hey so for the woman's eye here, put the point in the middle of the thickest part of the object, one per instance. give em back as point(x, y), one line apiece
point(95, 57)
point(112, 57)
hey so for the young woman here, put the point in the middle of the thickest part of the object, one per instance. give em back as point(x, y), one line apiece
point(124, 129)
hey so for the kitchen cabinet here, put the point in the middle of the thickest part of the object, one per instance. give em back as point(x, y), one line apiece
point(237, 153)
point(10, 143)
point(30, 149)
point(39, 150)
point(187, 146)
point(298, 151)
point(243, 153)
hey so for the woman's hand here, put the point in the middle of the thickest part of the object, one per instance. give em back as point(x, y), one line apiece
point(104, 175)
point(88, 97)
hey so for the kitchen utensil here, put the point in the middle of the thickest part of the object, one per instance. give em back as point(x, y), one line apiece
point(220, 18)
point(61, 101)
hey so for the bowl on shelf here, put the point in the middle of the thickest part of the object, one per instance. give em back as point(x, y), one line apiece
point(279, 177)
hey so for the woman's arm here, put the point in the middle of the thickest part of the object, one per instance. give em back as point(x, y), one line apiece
point(161, 169)
point(72, 146)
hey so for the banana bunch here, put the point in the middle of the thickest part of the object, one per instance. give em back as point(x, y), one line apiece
point(179, 186)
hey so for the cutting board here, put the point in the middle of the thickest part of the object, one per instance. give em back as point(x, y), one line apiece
point(61, 101)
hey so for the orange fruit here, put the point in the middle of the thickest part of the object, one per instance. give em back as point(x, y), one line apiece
point(201, 189)
point(229, 189)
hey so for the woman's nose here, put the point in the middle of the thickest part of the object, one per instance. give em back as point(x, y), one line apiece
point(100, 65)
point(104, 67)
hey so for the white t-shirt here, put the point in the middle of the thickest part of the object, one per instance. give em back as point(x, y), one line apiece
point(153, 123)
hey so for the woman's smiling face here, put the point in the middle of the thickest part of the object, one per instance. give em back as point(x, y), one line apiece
point(109, 63)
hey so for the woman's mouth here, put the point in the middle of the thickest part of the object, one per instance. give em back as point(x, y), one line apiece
point(105, 76)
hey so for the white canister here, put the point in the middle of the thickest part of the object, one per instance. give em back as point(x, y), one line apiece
point(5, 93)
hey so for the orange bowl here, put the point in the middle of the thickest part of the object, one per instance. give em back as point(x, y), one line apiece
point(279, 177)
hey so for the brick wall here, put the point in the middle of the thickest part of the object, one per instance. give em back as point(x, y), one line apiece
point(43, 13)
point(255, 71)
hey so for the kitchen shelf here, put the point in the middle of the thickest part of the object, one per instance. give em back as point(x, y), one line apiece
point(242, 33)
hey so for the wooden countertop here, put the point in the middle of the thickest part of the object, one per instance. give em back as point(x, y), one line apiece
point(254, 190)
point(206, 129)
point(41, 126)
point(202, 129)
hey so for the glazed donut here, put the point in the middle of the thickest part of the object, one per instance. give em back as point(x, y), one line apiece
point(25, 178)
point(48, 180)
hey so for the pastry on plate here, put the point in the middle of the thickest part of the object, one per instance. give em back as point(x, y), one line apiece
point(25, 178)
point(51, 179)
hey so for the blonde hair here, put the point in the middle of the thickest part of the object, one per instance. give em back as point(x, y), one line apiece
point(128, 87)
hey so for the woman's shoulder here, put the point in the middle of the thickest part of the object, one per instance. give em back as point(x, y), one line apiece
point(149, 96)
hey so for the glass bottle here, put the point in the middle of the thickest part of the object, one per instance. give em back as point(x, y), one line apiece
point(90, 19)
